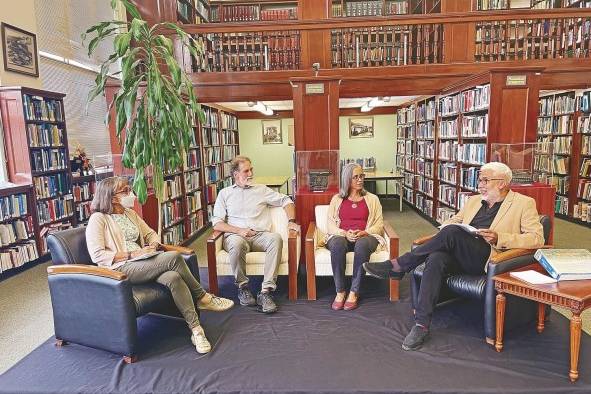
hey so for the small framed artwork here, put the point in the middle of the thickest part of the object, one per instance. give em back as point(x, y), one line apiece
point(19, 48)
point(361, 127)
point(272, 132)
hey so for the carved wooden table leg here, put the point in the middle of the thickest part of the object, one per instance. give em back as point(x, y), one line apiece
point(500, 321)
point(575, 345)
point(541, 316)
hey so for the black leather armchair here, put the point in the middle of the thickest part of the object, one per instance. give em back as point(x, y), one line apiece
point(96, 306)
point(481, 287)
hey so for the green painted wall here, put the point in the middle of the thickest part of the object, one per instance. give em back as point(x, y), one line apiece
point(277, 159)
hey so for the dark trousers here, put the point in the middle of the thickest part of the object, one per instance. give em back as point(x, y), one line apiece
point(362, 249)
point(450, 251)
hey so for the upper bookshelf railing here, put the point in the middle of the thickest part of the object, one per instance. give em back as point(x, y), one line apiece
point(450, 38)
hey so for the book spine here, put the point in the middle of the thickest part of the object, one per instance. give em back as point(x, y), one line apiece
point(547, 266)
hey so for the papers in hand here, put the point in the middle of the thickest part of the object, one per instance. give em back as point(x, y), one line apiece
point(465, 227)
point(145, 256)
point(533, 277)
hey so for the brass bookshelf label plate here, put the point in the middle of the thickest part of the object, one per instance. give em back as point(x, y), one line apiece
point(516, 80)
point(314, 88)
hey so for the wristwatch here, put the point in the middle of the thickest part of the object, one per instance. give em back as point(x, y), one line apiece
point(128, 255)
point(292, 220)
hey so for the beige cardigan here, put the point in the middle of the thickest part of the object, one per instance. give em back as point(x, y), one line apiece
point(375, 220)
point(104, 237)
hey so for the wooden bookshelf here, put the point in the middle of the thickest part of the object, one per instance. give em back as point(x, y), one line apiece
point(18, 245)
point(353, 8)
point(250, 11)
point(548, 38)
point(193, 11)
point(255, 51)
point(581, 211)
point(406, 149)
point(387, 46)
point(37, 152)
point(552, 162)
point(83, 188)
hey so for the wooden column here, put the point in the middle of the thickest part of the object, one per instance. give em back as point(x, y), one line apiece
point(316, 127)
point(315, 43)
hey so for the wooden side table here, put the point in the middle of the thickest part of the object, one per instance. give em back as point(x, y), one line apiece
point(573, 295)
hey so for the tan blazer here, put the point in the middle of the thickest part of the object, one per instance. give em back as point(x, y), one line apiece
point(375, 220)
point(104, 237)
point(517, 223)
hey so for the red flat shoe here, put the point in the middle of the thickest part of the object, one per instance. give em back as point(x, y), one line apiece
point(337, 305)
point(349, 306)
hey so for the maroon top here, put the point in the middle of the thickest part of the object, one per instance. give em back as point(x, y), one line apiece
point(353, 215)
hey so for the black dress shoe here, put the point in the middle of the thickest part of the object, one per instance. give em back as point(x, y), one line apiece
point(415, 338)
point(382, 270)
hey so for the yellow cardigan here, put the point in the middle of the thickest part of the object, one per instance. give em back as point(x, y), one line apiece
point(375, 220)
point(104, 237)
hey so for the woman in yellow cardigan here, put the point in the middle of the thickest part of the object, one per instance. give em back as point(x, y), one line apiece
point(116, 235)
point(355, 223)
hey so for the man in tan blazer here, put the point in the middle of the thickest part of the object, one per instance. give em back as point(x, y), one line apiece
point(504, 220)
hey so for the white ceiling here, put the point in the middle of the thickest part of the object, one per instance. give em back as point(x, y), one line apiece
point(287, 105)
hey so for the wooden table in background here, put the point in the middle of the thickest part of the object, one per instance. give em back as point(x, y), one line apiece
point(574, 295)
point(274, 182)
point(387, 176)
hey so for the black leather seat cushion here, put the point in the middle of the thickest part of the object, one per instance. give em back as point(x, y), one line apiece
point(470, 286)
point(152, 297)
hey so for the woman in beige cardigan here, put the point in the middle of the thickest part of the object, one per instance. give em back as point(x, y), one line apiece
point(118, 238)
point(355, 223)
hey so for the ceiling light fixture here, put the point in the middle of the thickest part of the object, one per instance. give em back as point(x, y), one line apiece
point(262, 108)
point(374, 102)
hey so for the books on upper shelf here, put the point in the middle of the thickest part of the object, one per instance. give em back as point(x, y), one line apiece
point(565, 264)
point(42, 109)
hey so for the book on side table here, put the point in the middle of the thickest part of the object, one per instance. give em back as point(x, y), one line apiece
point(565, 264)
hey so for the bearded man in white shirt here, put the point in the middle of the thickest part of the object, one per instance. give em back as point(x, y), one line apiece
point(241, 211)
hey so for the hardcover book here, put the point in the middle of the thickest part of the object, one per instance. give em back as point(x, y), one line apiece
point(565, 264)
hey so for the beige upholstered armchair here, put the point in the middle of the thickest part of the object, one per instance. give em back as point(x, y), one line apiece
point(318, 258)
point(218, 262)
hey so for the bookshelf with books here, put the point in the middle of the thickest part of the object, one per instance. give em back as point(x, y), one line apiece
point(555, 131)
point(406, 150)
point(426, 152)
point(353, 8)
point(581, 184)
point(193, 11)
point(83, 188)
point(251, 11)
point(18, 245)
point(37, 153)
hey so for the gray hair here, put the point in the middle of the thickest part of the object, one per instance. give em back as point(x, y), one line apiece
point(500, 169)
point(235, 163)
point(103, 195)
point(346, 177)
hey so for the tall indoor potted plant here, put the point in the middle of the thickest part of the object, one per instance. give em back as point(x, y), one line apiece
point(155, 103)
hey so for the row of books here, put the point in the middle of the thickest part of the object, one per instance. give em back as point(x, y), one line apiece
point(172, 211)
point(426, 149)
point(48, 159)
point(582, 211)
point(586, 145)
point(561, 205)
point(585, 170)
point(211, 193)
point(229, 137)
point(407, 194)
point(13, 206)
point(51, 185)
point(447, 195)
point(51, 210)
point(174, 235)
point(463, 198)
point(229, 122)
point(83, 191)
point(192, 181)
point(212, 174)
point(45, 134)
point(426, 130)
point(17, 230)
point(229, 153)
point(245, 13)
point(18, 255)
point(555, 125)
point(227, 168)
point(424, 167)
point(424, 204)
point(426, 111)
point(194, 201)
point(584, 191)
point(472, 153)
point(482, 5)
point(83, 212)
point(405, 115)
point(448, 150)
point(425, 185)
point(211, 137)
point(172, 188)
point(469, 178)
point(584, 125)
point(409, 179)
point(444, 214)
point(475, 126)
point(193, 158)
point(475, 99)
point(448, 128)
point(196, 222)
point(212, 156)
point(367, 163)
point(447, 172)
point(279, 14)
point(42, 109)
point(211, 118)
point(553, 165)
point(561, 183)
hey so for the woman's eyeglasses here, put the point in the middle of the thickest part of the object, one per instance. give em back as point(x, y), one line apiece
point(125, 190)
point(359, 177)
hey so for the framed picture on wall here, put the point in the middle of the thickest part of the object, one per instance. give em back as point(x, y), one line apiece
point(272, 132)
point(19, 48)
point(361, 127)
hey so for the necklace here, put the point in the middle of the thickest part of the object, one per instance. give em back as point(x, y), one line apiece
point(354, 205)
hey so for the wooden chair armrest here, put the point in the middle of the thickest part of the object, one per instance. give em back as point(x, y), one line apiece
point(176, 248)
point(510, 254)
point(214, 236)
point(85, 270)
point(292, 234)
point(310, 232)
point(422, 240)
point(390, 233)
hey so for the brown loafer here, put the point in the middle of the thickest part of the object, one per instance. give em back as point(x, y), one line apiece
point(338, 305)
point(349, 306)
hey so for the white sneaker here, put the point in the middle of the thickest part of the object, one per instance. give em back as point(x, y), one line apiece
point(216, 304)
point(200, 341)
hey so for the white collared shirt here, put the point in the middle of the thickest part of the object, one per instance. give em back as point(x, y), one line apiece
point(247, 207)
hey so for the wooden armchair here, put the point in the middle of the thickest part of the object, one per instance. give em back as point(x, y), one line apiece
point(318, 258)
point(218, 262)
